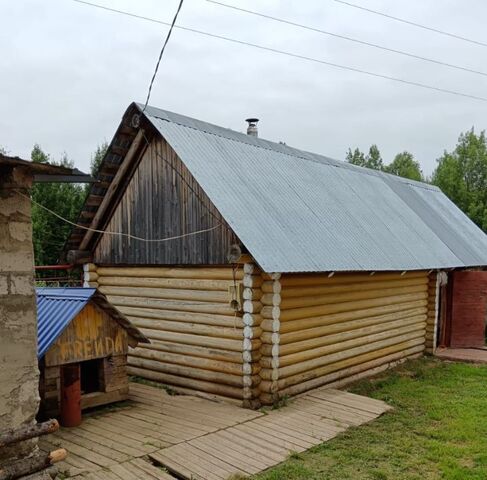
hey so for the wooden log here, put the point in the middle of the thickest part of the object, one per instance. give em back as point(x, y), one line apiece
point(308, 349)
point(192, 328)
point(252, 281)
point(90, 276)
point(312, 291)
point(34, 463)
point(323, 375)
point(350, 326)
point(252, 319)
point(319, 310)
point(189, 361)
point(297, 280)
point(174, 283)
point(290, 347)
point(188, 383)
point(271, 299)
point(349, 296)
point(271, 286)
point(207, 273)
point(293, 374)
point(270, 325)
point(177, 305)
point(232, 321)
point(346, 370)
point(187, 372)
point(274, 313)
point(28, 431)
point(47, 474)
point(198, 340)
point(331, 318)
point(252, 294)
point(213, 296)
point(89, 267)
point(250, 306)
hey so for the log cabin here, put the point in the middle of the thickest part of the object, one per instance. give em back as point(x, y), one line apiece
point(80, 331)
point(258, 270)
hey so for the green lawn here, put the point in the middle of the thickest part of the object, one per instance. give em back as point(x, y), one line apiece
point(437, 430)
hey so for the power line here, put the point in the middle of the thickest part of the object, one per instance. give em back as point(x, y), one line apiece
point(290, 54)
point(168, 36)
point(409, 22)
point(121, 234)
point(350, 39)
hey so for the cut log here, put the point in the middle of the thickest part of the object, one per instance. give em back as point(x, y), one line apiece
point(32, 464)
point(29, 431)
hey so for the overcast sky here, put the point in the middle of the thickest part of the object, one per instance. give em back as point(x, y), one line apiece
point(68, 72)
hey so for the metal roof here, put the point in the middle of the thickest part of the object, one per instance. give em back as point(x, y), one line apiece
point(57, 307)
point(297, 211)
point(45, 172)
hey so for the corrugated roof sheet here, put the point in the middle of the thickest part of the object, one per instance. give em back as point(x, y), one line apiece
point(57, 307)
point(297, 211)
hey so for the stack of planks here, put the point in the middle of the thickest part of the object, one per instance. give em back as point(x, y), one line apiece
point(198, 342)
point(330, 328)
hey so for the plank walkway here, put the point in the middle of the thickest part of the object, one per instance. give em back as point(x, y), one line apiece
point(468, 355)
point(158, 435)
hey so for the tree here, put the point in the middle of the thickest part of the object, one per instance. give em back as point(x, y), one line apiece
point(356, 157)
point(96, 159)
point(65, 199)
point(405, 166)
point(372, 160)
point(462, 175)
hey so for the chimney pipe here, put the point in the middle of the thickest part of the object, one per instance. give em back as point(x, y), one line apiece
point(252, 128)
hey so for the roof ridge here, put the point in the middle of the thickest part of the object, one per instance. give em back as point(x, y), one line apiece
point(297, 153)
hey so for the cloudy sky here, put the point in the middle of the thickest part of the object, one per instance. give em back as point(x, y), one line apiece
point(69, 71)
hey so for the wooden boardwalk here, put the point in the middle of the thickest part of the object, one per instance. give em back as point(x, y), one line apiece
point(468, 355)
point(158, 435)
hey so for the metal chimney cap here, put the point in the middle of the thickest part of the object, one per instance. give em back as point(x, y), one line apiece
point(252, 120)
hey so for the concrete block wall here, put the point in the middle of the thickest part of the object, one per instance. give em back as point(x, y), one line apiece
point(19, 397)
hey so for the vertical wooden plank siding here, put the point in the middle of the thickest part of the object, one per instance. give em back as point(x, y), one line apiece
point(331, 328)
point(433, 308)
point(163, 200)
point(198, 342)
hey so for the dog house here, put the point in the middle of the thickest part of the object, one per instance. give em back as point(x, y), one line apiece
point(83, 341)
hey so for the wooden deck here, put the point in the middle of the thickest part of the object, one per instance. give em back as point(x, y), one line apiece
point(468, 355)
point(158, 435)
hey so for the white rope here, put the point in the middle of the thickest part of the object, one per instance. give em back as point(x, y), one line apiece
point(121, 234)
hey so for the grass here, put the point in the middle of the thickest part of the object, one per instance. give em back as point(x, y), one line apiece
point(437, 430)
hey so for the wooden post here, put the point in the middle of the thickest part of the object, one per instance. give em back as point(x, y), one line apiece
point(70, 395)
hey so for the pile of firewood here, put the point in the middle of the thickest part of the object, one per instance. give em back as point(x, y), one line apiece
point(38, 465)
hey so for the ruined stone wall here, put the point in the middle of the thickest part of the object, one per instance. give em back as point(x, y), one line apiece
point(19, 374)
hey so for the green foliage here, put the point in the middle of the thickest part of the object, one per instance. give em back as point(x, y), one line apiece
point(48, 231)
point(437, 430)
point(372, 160)
point(405, 166)
point(462, 175)
point(97, 157)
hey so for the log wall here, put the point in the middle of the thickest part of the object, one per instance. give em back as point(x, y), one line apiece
point(334, 327)
point(433, 308)
point(199, 343)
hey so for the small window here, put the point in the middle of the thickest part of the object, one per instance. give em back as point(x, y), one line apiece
point(91, 376)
